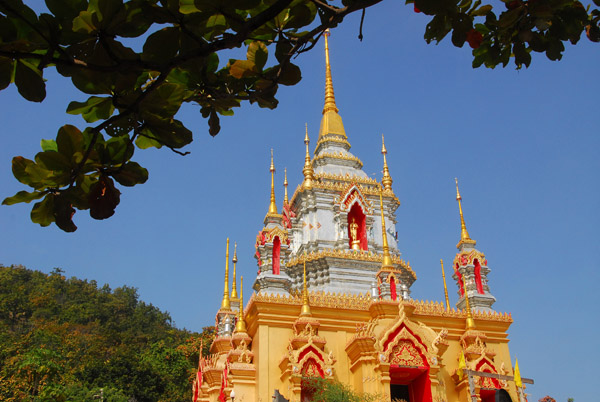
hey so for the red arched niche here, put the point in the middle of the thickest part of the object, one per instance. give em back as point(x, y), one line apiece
point(393, 288)
point(276, 254)
point(356, 213)
point(311, 372)
point(460, 281)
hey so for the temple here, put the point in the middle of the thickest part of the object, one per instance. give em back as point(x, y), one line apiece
point(333, 297)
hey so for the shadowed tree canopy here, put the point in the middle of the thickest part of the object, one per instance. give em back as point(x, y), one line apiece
point(134, 95)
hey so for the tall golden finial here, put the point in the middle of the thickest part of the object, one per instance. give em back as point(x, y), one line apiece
point(445, 288)
point(387, 179)
point(329, 95)
point(387, 258)
point(309, 174)
point(240, 325)
point(234, 295)
point(272, 204)
point(305, 312)
point(470, 321)
point(225, 304)
point(285, 186)
point(464, 235)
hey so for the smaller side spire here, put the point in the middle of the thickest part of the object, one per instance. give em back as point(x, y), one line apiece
point(329, 95)
point(240, 325)
point(387, 258)
point(309, 174)
point(387, 179)
point(272, 203)
point(234, 295)
point(305, 312)
point(470, 321)
point(464, 235)
point(285, 187)
point(225, 303)
point(445, 287)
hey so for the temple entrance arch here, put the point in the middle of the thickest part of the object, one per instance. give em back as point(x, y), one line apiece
point(409, 373)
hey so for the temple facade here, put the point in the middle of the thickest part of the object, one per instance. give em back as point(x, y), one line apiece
point(333, 298)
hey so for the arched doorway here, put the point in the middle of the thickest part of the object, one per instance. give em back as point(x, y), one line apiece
point(357, 234)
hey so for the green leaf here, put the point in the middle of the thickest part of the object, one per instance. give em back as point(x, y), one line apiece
point(242, 69)
point(69, 141)
point(258, 54)
point(43, 211)
point(23, 196)
point(290, 74)
point(29, 81)
point(131, 174)
point(48, 145)
point(84, 23)
point(28, 172)
point(481, 11)
point(53, 161)
point(94, 109)
point(6, 70)
point(164, 101)
point(119, 150)
point(63, 212)
point(162, 46)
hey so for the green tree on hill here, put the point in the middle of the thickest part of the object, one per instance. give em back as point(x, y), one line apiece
point(66, 339)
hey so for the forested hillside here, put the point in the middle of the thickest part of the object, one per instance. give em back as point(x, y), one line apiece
point(70, 340)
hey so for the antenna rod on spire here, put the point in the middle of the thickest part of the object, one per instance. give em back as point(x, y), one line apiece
point(225, 304)
point(272, 204)
point(387, 258)
point(307, 170)
point(285, 187)
point(234, 295)
point(445, 288)
point(387, 179)
point(464, 235)
point(329, 95)
point(305, 312)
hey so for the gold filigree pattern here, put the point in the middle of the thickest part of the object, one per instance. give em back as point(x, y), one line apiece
point(405, 354)
point(270, 234)
point(354, 193)
point(438, 309)
point(463, 259)
point(338, 155)
point(348, 178)
point(331, 138)
point(318, 299)
point(350, 255)
point(339, 188)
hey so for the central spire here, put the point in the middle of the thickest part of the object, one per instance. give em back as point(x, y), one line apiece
point(332, 128)
point(464, 235)
point(329, 95)
point(272, 204)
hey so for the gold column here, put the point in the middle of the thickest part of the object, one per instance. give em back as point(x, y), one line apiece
point(285, 187)
point(272, 204)
point(234, 295)
point(464, 235)
point(470, 321)
point(445, 288)
point(240, 326)
point(225, 304)
point(387, 258)
point(387, 179)
point(309, 174)
point(305, 312)
point(329, 95)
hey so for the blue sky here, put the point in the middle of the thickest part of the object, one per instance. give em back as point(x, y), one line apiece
point(524, 145)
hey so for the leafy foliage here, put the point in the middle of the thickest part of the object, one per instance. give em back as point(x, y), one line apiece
point(68, 340)
point(547, 399)
point(323, 390)
point(133, 95)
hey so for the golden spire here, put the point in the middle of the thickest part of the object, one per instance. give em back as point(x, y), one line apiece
point(470, 321)
point(387, 179)
point(272, 204)
point(234, 295)
point(445, 288)
point(240, 325)
point(387, 258)
point(329, 95)
point(225, 304)
point(305, 312)
point(285, 185)
point(307, 170)
point(464, 235)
